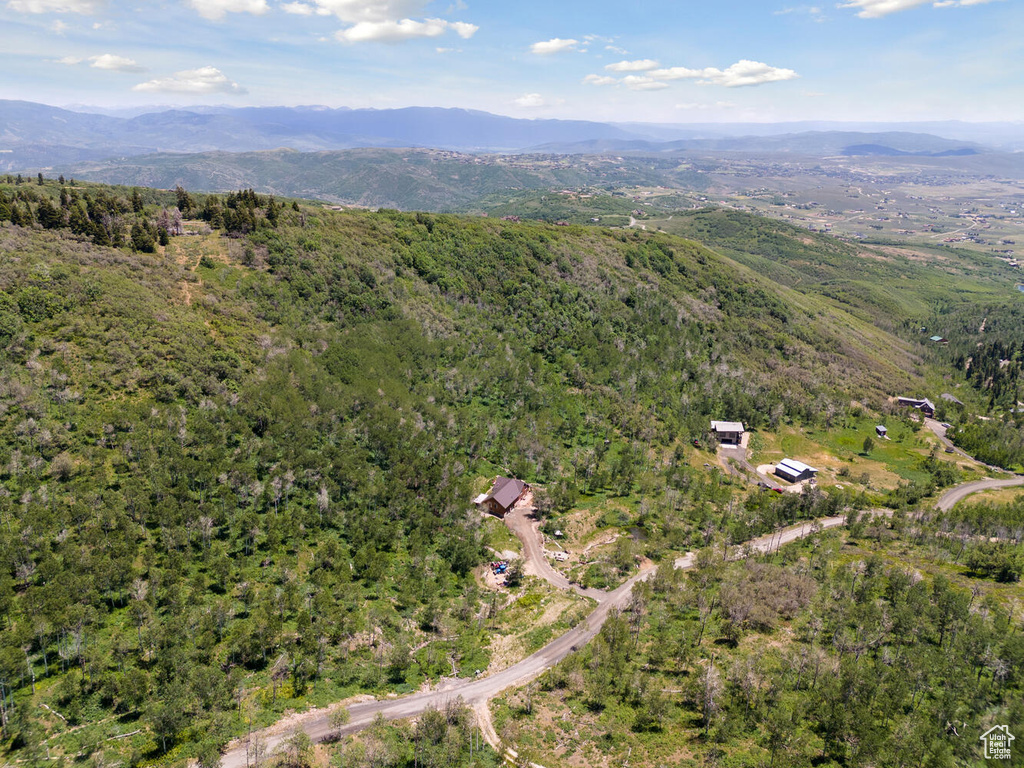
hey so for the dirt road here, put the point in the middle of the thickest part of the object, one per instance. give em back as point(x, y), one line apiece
point(480, 690)
point(950, 498)
point(940, 432)
point(526, 528)
point(738, 454)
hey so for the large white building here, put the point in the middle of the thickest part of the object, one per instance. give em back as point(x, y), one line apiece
point(794, 471)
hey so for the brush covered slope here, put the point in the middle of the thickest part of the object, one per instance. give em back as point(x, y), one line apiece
point(966, 299)
point(266, 443)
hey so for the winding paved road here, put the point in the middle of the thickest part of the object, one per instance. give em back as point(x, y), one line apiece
point(316, 723)
point(950, 498)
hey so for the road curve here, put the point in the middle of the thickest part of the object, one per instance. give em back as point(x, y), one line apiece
point(950, 498)
point(482, 689)
point(521, 522)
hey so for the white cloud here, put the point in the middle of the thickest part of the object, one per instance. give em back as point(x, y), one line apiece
point(643, 83)
point(554, 45)
point(215, 10)
point(383, 21)
point(873, 9)
point(464, 29)
point(106, 61)
point(813, 10)
point(404, 29)
point(530, 101)
point(53, 6)
point(115, 63)
point(677, 73)
point(357, 11)
point(616, 49)
point(692, 106)
point(202, 80)
point(742, 73)
point(536, 101)
point(639, 65)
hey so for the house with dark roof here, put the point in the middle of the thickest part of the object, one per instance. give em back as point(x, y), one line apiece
point(924, 405)
point(504, 493)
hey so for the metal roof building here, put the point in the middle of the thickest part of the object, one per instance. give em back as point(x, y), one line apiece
point(794, 471)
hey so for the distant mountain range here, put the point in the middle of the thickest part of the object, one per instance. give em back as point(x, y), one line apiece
point(816, 143)
point(36, 136)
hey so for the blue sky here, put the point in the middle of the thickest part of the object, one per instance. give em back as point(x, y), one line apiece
point(647, 60)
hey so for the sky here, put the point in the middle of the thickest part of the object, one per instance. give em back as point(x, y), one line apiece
point(665, 61)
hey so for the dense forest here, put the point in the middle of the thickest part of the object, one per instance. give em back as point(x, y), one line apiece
point(258, 426)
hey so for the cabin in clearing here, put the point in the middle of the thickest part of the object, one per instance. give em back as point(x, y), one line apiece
point(924, 405)
point(504, 493)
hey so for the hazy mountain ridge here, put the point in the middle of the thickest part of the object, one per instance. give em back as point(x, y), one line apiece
point(808, 142)
point(256, 128)
point(39, 136)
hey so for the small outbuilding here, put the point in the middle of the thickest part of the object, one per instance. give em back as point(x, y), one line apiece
point(504, 493)
point(939, 340)
point(881, 431)
point(794, 471)
point(727, 432)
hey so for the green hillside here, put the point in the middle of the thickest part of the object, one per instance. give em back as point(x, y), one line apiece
point(267, 443)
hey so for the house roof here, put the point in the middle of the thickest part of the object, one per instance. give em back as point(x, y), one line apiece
point(936, 338)
point(927, 402)
point(506, 490)
point(882, 428)
point(727, 426)
point(950, 398)
point(796, 467)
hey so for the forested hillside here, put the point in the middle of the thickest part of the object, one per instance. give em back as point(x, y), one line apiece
point(258, 427)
